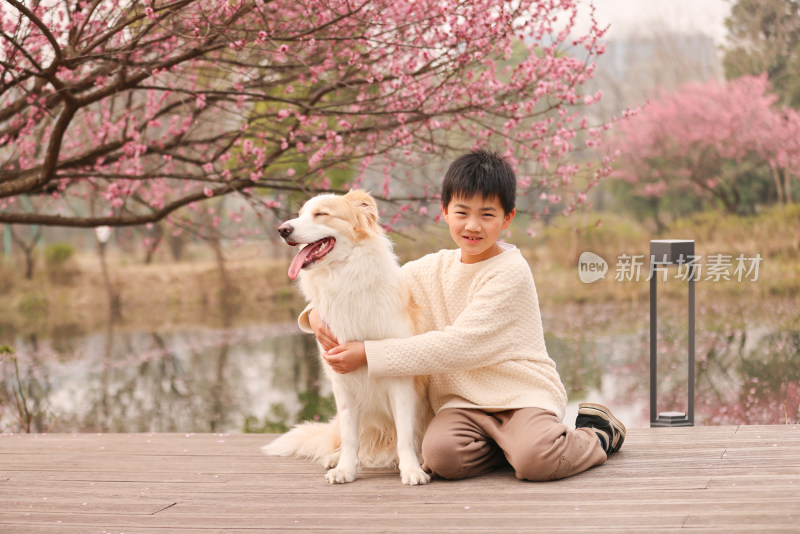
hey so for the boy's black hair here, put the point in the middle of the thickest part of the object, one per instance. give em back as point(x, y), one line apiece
point(480, 172)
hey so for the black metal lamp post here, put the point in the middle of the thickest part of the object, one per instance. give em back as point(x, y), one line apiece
point(667, 253)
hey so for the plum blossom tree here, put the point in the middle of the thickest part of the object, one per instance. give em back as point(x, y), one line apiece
point(708, 139)
point(122, 112)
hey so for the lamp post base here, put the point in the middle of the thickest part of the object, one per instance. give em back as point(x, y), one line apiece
point(668, 419)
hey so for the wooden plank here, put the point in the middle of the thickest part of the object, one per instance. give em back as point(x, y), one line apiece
point(104, 505)
point(216, 445)
point(390, 522)
point(455, 517)
point(501, 491)
point(121, 476)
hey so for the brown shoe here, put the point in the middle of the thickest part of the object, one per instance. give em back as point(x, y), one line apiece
point(600, 419)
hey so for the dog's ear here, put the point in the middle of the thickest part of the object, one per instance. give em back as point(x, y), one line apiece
point(365, 208)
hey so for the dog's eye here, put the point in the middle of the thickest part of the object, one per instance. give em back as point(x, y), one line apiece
point(320, 214)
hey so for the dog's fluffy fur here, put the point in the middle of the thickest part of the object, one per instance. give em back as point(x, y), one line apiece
point(348, 272)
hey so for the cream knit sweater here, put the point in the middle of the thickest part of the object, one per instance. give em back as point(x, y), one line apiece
point(484, 346)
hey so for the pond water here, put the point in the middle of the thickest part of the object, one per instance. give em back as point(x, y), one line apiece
point(265, 377)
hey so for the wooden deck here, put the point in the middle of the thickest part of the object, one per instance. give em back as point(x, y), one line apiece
point(727, 479)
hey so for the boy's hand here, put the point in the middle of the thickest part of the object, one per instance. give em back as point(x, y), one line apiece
point(347, 357)
point(321, 332)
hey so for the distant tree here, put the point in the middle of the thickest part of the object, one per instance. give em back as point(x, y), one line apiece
point(708, 139)
point(27, 246)
point(148, 106)
point(764, 37)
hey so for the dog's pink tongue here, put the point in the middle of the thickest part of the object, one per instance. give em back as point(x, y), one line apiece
point(298, 261)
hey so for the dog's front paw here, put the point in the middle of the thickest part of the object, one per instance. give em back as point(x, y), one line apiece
point(331, 460)
point(414, 476)
point(340, 475)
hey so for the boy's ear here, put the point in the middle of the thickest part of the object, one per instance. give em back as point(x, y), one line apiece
point(509, 217)
point(444, 211)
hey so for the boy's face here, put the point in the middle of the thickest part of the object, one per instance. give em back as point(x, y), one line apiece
point(475, 225)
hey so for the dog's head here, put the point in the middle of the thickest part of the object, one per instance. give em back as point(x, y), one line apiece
point(329, 226)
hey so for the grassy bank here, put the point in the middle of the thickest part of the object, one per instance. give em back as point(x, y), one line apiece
point(553, 252)
point(162, 295)
point(155, 296)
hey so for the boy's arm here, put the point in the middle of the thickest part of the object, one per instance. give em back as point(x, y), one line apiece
point(310, 322)
point(501, 322)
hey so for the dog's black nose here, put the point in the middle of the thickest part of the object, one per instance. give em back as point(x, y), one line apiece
point(285, 230)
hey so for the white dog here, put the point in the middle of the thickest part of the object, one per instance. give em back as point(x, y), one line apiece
point(350, 275)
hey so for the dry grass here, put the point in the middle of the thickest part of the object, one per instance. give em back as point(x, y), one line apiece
point(772, 234)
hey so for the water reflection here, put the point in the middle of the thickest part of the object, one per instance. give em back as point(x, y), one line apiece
point(264, 378)
point(205, 380)
point(745, 373)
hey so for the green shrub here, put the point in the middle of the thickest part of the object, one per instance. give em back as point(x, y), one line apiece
point(59, 260)
point(33, 306)
point(58, 255)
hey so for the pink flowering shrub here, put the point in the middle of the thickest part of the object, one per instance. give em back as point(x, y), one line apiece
point(707, 139)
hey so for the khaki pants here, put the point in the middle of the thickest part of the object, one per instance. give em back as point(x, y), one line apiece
point(461, 443)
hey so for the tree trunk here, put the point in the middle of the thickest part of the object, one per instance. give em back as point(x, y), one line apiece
point(776, 177)
point(155, 236)
point(27, 249)
point(28, 265)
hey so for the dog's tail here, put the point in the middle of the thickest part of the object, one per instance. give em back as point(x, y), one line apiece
point(314, 441)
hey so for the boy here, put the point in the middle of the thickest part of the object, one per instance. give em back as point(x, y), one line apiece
point(495, 391)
